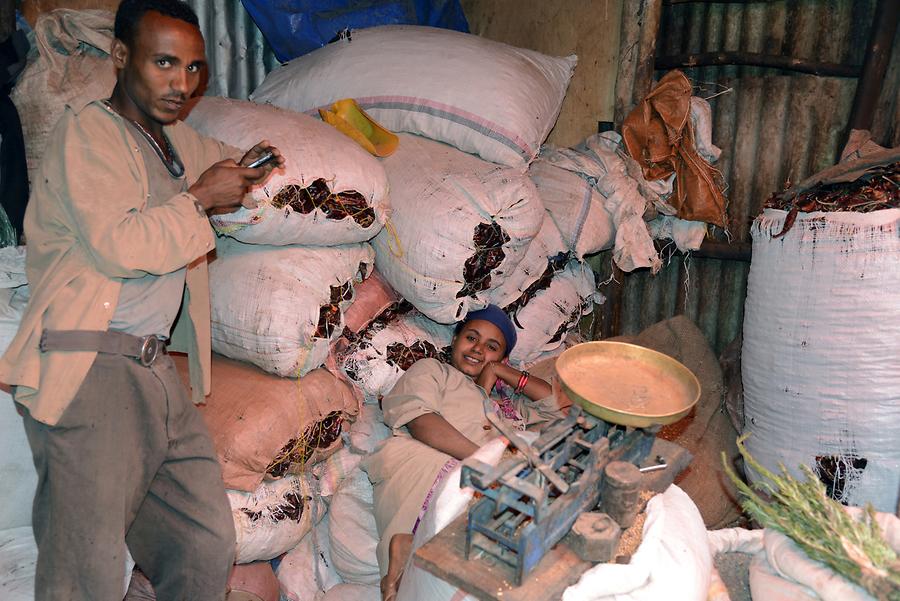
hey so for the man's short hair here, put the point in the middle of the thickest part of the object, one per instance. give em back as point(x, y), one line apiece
point(130, 12)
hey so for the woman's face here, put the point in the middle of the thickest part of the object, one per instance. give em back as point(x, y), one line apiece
point(478, 343)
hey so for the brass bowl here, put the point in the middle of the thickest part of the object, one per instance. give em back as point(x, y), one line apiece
point(627, 384)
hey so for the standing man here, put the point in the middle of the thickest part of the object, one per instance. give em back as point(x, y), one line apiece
point(116, 226)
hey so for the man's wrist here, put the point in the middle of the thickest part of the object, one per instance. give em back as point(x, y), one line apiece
point(201, 210)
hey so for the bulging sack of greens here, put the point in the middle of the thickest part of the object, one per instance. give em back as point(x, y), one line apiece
point(460, 227)
point(329, 192)
point(280, 307)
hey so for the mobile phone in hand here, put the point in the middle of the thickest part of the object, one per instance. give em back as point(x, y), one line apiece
point(266, 158)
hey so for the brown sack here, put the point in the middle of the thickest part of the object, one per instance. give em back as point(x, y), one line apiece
point(707, 431)
point(659, 135)
point(267, 426)
point(73, 68)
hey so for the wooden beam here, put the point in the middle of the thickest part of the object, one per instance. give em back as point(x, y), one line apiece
point(878, 55)
point(712, 249)
point(637, 48)
point(709, 59)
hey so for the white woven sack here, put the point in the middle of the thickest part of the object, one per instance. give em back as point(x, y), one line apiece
point(575, 206)
point(16, 464)
point(546, 245)
point(365, 434)
point(571, 295)
point(484, 97)
point(821, 338)
point(353, 532)
point(673, 560)
point(306, 572)
point(353, 592)
point(18, 564)
point(447, 503)
point(265, 301)
point(274, 518)
point(72, 68)
point(440, 195)
point(368, 366)
point(312, 151)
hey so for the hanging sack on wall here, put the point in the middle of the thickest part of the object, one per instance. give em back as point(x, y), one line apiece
point(264, 426)
point(73, 68)
point(274, 518)
point(821, 330)
point(481, 96)
point(329, 192)
point(280, 307)
point(575, 206)
point(460, 227)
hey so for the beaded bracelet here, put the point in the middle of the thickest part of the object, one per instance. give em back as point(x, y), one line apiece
point(523, 380)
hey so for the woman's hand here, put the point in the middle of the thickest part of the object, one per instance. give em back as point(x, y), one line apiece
point(488, 376)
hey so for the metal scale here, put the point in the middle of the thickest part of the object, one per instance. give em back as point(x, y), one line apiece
point(530, 501)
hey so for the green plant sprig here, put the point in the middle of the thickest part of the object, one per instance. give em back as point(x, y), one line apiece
point(821, 527)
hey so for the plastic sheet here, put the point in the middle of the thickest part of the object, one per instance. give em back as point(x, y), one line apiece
point(296, 27)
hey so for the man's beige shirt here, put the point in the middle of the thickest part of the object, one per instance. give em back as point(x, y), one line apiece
point(87, 227)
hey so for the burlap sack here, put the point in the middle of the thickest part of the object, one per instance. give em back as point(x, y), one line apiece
point(659, 135)
point(267, 426)
point(73, 68)
point(707, 431)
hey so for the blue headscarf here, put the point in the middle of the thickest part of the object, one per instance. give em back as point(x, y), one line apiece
point(496, 316)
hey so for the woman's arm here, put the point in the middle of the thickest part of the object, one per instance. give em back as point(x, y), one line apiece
point(435, 431)
point(535, 389)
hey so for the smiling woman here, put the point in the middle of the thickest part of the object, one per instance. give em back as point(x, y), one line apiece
point(438, 416)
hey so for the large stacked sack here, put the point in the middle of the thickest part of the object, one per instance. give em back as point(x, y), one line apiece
point(329, 192)
point(483, 97)
point(279, 307)
point(265, 427)
point(821, 338)
point(546, 296)
point(460, 227)
point(376, 357)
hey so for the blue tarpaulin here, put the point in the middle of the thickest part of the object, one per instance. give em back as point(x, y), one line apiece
point(295, 27)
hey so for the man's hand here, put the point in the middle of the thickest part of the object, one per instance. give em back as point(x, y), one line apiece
point(224, 185)
point(259, 150)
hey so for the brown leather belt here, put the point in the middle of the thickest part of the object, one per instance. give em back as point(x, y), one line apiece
point(144, 349)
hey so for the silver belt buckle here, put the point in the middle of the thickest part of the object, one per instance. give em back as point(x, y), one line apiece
point(149, 350)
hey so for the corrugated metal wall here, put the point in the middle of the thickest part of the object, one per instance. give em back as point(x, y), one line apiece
point(773, 127)
point(238, 55)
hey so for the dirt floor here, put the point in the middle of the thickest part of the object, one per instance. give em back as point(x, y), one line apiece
point(734, 570)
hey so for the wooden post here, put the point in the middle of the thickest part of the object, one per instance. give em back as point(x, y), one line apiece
point(878, 55)
point(7, 18)
point(637, 52)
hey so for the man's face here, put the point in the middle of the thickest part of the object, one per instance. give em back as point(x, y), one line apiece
point(160, 70)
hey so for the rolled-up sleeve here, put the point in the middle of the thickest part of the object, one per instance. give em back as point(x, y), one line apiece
point(419, 391)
